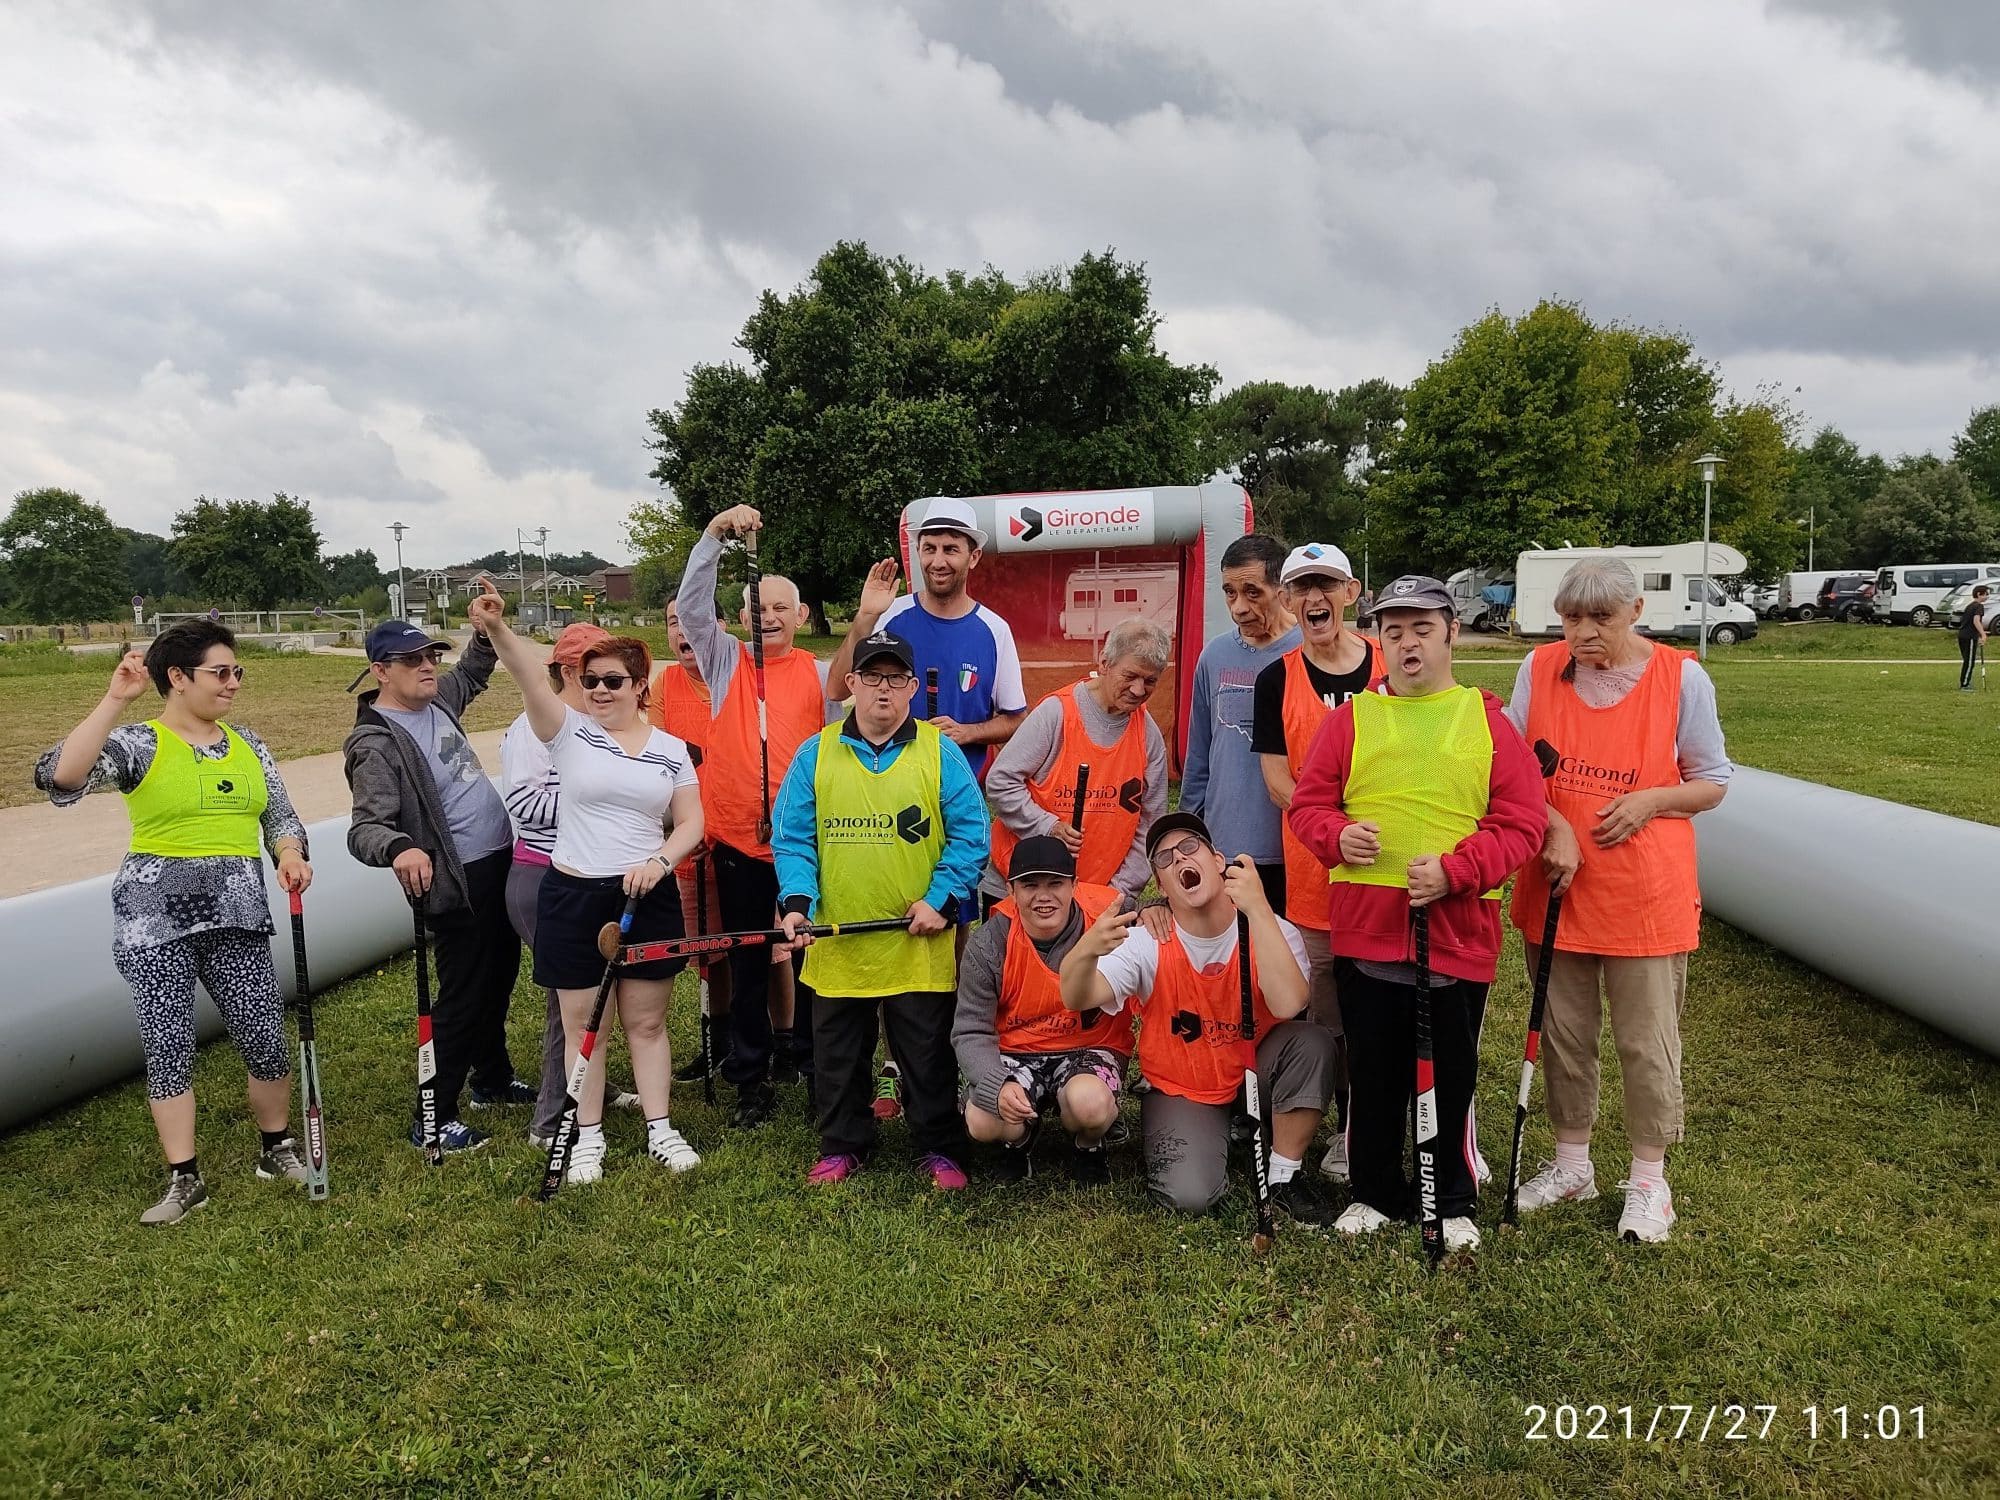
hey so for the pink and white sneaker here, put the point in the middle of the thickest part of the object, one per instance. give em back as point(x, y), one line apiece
point(1649, 1212)
point(947, 1176)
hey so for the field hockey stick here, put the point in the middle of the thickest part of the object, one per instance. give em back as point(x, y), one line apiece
point(729, 942)
point(1263, 1229)
point(1425, 1104)
point(563, 1142)
point(756, 587)
point(427, 1066)
point(1538, 1005)
point(309, 1102)
point(930, 692)
point(1085, 1019)
point(701, 980)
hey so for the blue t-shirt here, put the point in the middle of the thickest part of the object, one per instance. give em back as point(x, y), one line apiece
point(979, 671)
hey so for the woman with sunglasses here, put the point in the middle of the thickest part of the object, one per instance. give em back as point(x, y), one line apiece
point(188, 901)
point(631, 812)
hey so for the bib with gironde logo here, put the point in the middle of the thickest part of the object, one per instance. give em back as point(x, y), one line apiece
point(1422, 773)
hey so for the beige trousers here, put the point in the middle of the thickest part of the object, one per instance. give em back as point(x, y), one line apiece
point(1645, 996)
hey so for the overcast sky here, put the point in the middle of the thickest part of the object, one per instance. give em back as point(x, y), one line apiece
point(435, 262)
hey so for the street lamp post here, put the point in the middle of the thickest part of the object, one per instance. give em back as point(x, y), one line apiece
point(402, 606)
point(1707, 463)
point(1812, 530)
point(548, 620)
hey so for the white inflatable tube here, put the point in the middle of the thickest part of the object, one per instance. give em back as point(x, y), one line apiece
point(66, 1024)
point(1775, 863)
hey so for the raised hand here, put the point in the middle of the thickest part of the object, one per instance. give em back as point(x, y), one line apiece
point(129, 679)
point(880, 587)
point(487, 610)
point(738, 520)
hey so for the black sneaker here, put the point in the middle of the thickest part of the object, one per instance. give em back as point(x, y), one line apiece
point(1301, 1201)
point(1089, 1167)
point(1119, 1134)
point(696, 1068)
point(755, 1103)
point(514, 1092)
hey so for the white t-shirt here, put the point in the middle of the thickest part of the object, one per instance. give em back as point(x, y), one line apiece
point(1132, 966)
point(530, 787)
point(616, 807)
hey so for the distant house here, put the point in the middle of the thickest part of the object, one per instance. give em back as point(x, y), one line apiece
point(611, 585)
point(463, 583)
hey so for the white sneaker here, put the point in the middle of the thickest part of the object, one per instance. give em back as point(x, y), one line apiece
point(670, 1148)
point(1480, 1171)
point(1460, 1234)
point(1557, 1184)
point(586, 1161)
point(1649, 1212)
point(1333, 1165)
point(621, 1099)
point(1359, 1218)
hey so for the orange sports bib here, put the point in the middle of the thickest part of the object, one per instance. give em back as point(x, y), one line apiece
point(1304, 711)
point(1191, 1026)
point(1112, 803)
point(1032, 1016)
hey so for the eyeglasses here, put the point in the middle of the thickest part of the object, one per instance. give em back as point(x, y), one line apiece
point(886, 679)
point(1187, 848)
point(223, 673)
point(611, 681)
point(433, 655)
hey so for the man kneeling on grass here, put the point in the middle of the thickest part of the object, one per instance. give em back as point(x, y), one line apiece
point(1020, 1048)
point(1187, 989)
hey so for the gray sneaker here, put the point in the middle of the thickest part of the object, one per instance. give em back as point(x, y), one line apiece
point(282, 1160)
point(185, 1193)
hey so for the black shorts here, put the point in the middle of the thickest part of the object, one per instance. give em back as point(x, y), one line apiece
point(570, 910)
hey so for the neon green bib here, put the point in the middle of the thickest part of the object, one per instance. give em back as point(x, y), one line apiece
point(1423, 771)
point(188, 806)
point(880, 835)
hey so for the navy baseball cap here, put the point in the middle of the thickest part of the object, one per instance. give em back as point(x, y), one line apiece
point(399, 638)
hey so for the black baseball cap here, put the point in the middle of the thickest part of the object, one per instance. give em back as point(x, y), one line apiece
point(1044, 854)
point(1173, 823)
point(884, 643)
point(399, 638)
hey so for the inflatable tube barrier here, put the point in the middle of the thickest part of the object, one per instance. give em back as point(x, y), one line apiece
point(66, 1026)
point(1925, 940)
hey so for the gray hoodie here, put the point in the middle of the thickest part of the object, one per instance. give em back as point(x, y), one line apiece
point(396, 802)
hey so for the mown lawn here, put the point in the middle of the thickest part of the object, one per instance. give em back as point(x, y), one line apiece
point(734, 1333)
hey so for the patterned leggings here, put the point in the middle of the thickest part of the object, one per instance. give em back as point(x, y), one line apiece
point(235, 965)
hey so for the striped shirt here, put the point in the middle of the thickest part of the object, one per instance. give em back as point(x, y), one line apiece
point(616, 807)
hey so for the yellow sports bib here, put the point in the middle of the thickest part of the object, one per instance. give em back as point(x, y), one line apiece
point(880, 835)
point(1422, 773)
point(187, 805)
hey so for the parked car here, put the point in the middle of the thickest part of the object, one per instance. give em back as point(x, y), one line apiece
point(1848, 596)
point(1951, 608)
point(1761, 597)
point(1910, 594)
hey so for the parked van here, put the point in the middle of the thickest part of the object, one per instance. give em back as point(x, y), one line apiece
point(1798, 593)
point(1670, 581)
point(1910, 595)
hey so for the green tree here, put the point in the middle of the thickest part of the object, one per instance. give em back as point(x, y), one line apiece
point(352, 573)
point(65, 560)
point(1927, 513)
point(876, 383)
point(1306, 456)
point(1976, 451)
point(256, 555)
point(148, 565)
point(1542, 430)
point(1832, 479)
point(1753, 489)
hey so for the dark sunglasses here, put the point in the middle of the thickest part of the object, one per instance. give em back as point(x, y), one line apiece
point(416, 658)
point(611, 681)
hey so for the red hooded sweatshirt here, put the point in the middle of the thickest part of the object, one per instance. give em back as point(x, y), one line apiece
point(1373, 921)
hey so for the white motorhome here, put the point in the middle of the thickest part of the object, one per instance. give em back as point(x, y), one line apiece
point(1469, 588)
point(1911, 595)
point(1670, 582)
point(1095, 599)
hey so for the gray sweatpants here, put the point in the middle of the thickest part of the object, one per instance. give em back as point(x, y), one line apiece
point(524, 884)
point(1187, 1143)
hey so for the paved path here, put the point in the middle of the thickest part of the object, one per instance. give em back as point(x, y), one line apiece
point(48, 845)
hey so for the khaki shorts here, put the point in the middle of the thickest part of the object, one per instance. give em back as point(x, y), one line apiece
point(1645, 997)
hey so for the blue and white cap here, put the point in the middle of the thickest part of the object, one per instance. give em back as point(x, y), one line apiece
point(1316, 559)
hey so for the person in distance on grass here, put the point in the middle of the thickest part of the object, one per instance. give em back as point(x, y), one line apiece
point(1421, 794)
point(531, 786)
point(880, 818)
point(683, 706)
point(1021, 1049)
point(423, 806)
point(1187, 990)
point(746, 876)
point(1972, 633)
point(1641, 749)
point(188, 901)
point(631, 812)
point(1222, 783)
point(1294, 695)
point(1101, 722)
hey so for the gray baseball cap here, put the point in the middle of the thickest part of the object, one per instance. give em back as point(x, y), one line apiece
point(1412, 591)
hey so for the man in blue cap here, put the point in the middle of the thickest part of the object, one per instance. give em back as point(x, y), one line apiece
point(423, 806)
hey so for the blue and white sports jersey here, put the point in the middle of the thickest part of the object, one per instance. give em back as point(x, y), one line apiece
point(979, 671)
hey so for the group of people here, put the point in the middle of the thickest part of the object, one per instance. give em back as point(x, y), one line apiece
point(1335, 782)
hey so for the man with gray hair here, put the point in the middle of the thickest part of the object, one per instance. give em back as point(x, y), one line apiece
point(1098, 727)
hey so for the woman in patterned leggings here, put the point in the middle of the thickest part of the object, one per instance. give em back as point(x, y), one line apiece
point(188, 901)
